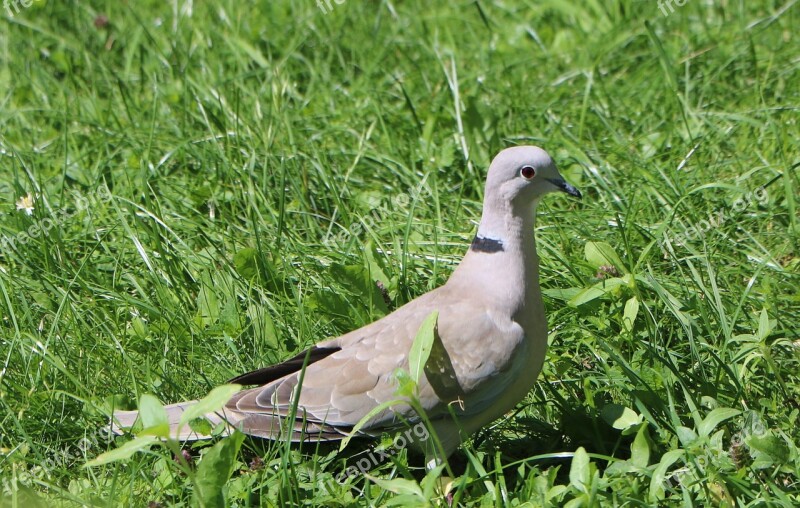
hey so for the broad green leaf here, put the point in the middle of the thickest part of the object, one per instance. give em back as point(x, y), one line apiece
point(374, 267)
point(229, 316)
point(720, 496)
point(405, 385)
point(602, 254)
point(564, 295)
point(202, 426)
point(164, 472)
point(620, 417)
point(421, 348)
point(431, 481)
point(359, 280)
point(208, 307)
point(245, 262)
point(659, 480)
point(629, 315)
point(555, 491)
point(764, 327)
point(352, 283)
point(596, 291)
point(399, 486)
point(151, 412)
point(714, 418)
point(406, 500)
point(253, 266)
point(212, 402)
point(640, 448)
point(582, 501)
point(123, 452)
point(686, 435)
point(139, 327)
point(153, 417)
point(161, 430)
point(263, 325)
point(771, 445)
point(579, 470)
point(215, 469)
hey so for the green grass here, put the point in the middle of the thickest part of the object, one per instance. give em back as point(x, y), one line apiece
point(255, 153)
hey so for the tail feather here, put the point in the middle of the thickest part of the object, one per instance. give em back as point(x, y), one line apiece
point(123, 421)
point(269, 426)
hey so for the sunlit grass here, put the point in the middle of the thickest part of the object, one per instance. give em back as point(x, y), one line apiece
point(218, 185)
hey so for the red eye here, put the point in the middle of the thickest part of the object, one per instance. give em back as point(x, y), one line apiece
point(527, 172)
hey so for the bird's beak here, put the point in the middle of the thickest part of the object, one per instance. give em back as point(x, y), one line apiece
point(562, 185)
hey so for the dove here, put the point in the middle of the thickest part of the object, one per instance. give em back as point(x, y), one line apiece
point(489, 343)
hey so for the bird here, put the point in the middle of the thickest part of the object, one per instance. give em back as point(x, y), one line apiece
point(489, 346)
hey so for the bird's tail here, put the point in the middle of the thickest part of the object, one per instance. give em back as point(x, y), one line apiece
point(122, 421)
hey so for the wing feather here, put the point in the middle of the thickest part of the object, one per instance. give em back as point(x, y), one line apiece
point(354, 373)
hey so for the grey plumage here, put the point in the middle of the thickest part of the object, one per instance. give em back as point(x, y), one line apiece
point(491, 341)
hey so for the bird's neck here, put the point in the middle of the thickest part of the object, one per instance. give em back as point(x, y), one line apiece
point(501, 222)
point(501, 264)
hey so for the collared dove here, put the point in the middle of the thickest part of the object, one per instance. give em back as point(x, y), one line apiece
point(491, 324)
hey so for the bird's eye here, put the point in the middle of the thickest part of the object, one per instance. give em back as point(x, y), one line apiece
point(527, 172)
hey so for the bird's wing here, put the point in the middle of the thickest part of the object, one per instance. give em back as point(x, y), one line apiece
point(353, 374)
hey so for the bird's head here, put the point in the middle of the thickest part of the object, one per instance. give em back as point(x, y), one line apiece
point(523, 174)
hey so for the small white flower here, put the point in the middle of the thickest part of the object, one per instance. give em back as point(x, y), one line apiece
point(26, 203)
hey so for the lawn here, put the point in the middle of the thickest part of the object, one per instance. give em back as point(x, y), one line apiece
point(190, 190)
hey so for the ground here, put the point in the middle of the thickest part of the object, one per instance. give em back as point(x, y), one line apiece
point(189, 190)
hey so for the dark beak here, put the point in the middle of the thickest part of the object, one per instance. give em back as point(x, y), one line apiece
point(565, 187)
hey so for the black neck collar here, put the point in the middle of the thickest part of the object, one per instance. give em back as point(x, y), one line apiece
point(487, 245)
